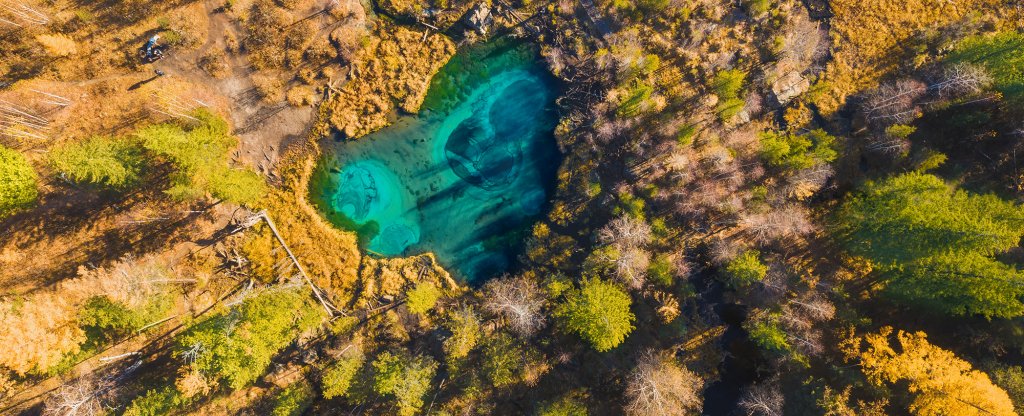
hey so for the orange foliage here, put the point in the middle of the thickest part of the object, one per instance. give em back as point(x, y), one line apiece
point(941, 383)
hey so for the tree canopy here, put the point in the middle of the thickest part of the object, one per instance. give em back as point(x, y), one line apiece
point(235, 346)
point(17, 182)
point(100, 161)
point(999, 54)
point(792, 151)
point(404, 377)
point(939, 383)
point(598, 312)
point(936, 245)
point(746, 269)
point(200, 153)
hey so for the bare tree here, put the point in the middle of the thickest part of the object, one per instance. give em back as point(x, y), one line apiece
point(895, 102)
point(79, 398)
point(659, 386)
point(626, 232)
point(799, 317)
point(816, 307)
point(806, 182)
point(802, 43)
point(787, 221)
point(555, 59)
point(631, 267)
point(517, 299)
point(961, 79)
point(762, 400)
point(724, 250)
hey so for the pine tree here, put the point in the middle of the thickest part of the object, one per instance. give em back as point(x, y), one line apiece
point(99, 161)
point(200, 153)
point(236, 346)
point(935, 245)
point(598, 312)
point(404, 377)
point(17, 182)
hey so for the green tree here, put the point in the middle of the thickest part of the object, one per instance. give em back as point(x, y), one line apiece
point(1011, 379)
point(17, 182)
point(504, 361)
point(746, 269)
point(635, 101)
point(102, 317)
point(422, 297)
point(465, 326)
point(571, 404)
point(405, 378)
point(293, 400)
point(935, 245)
point(767, 334)
point(662, 270)
point(598, 312)
point(156, 402)
point(241, 186)
point(200, 152)
point(339, 376)
point(727, 84)
point(236, 346)
point(100, 161)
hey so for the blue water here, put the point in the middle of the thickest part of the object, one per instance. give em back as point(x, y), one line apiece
point(463, 179)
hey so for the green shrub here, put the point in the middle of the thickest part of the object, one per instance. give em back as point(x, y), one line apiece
point(929, 159)
point(599, 312)
point(746, 269)
point(900, 131)
point(17, 182)
point(338, 377)
point(99, 161)
point(293, 400)
point(631, 205)
point(758, 7)
point(422, 297)
point(236, 346)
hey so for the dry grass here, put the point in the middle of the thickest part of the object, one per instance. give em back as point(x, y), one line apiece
point(871, 36)
point(329, 255)
point(389, 74)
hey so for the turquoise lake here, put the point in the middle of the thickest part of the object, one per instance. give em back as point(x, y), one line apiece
point(465, 178)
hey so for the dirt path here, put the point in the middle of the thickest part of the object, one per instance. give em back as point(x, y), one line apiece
point(263, 128)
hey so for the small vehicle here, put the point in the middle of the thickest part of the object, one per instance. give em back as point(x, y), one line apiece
point(151, 52)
